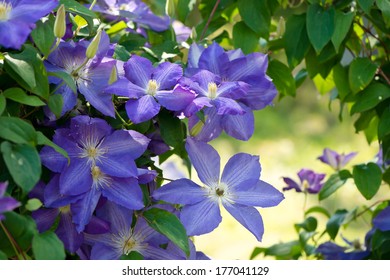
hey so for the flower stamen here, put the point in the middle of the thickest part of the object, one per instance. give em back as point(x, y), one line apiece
point(5, 10)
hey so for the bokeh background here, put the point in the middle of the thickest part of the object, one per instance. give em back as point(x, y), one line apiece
point(289, 136)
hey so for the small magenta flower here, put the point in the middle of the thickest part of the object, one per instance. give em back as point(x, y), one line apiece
point(309, 182)
point(239, 190)
point(335, 160)
point(17, 19)
point(6, 203)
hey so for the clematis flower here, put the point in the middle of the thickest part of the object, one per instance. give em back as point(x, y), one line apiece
point(101, 163)
point(353, 251)
point(17, 19)
point(335, 160)
point(135, 11)
point(90, 76)
point(382, 220)
point(309, 182)
point(6, 203)
point(238, 190)
point(123, 239)
point(150, 88)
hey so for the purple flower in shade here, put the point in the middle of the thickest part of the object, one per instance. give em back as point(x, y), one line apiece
point(249, 71)
point(90, 78)
point(101, 163)
point(150, 88)
point(334, 159)
point(182, 32)
point(17, 18)
point(238, 189)
point(6, 203)
point(194, 255)
point(309, 182)
point(382, 220)
point(134, 11)
point(123, 239)
point(353, 251)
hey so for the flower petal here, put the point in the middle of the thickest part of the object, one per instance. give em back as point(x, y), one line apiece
point(66, 231)
point(205, 160)
point(101, 101)
point(247, 68)
point(240, 127)
point(123, 87)
point(227, 106)
point(156, 253)
point(241, 168)
point(214, 59)
point(194, 54)
point(212, 127)
point(382, 220)
point(82, 210)
point(104, 252)
point(138, 70)
point(45, 218)
point(248, 216)
point(14, 33)
point(260, 94)
point(175, 100)
point(119, 217)
point(142, 109)
point(125, 192)
point(77, 178)
point(200, 218)
point(53, 197)
point(291, 184)
point(167, 74)
point(181, 191)
point(52, 159)
point(261, 194)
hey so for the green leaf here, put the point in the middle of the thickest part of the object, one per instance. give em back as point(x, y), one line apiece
point(320, 25)
point(384, 6)
point(256, 15)
point(3, 256)
point(340, 78)
point(324, 85)
point(24, 164)
point(317, 209)
point(384, 124)
point(282, 78)
point(300, 77)
point(343, 22)
point(33, 204)
point(334, 223)
point(361, 72)
point(43, 36)
point(27, 68)
point(169, 225)
point(19, 95)
point(364, 120)
point(368, 178)
point(380, 243)
point(331, 185)
point(244, 38)
point(366, 5)
point(370, 97)
point(66, 78)
point(121, 53)
point(47, 246)
point(21, 228)
point(55, 104)
point(309, 224)
point(171, 129)
point(3, 104)
point(371, 132)
point(17, 130)
point(314, 66)
point(288, 250)
point(76, 8)
point(43, 140)
point(296, 40)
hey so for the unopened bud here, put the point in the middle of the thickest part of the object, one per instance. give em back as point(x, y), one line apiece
point(60, 22)
point(94, 45)
point(197, 128)
point(193, 35)
point(113, 76)
point(170, 8)
point(281, 27)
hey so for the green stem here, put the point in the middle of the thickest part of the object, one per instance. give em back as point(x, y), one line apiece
point(93, 4)
point(13, 242)
point(121, 119)
point(53, 49)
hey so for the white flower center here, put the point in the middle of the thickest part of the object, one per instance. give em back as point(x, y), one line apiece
point(100, 180)
point(65, 209)
point(221, 192)
point(152, 87)
point(5, 9)
point(127, 242)
point(212, 90)
point(91, 149)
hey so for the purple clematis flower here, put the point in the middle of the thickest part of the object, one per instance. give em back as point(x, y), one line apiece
point(17, 18)
point(150, 88)
point(123, 239)
point(353, 251)
point(238, 189)
point(90, 76)
point(101, 163)
point(309, 182)
point(382, 220)
point(135, 11)
point(335, 160)
point(6, 203)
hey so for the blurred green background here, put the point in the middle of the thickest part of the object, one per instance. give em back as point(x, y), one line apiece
point(289, 136)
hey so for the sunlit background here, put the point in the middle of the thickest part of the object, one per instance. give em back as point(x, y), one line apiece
point(290, 136)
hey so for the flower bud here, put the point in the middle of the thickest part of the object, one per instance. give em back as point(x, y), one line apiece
point(196, 129)
point(170, 8)
point(113, 76)
point(60, 23)
point(94, 45)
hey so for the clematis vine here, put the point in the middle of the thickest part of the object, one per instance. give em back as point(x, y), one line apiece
point(149, 88)
point(239, 190)
point(101, 163)
point(17, 19)
point(90, 76)
point(310, 182)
